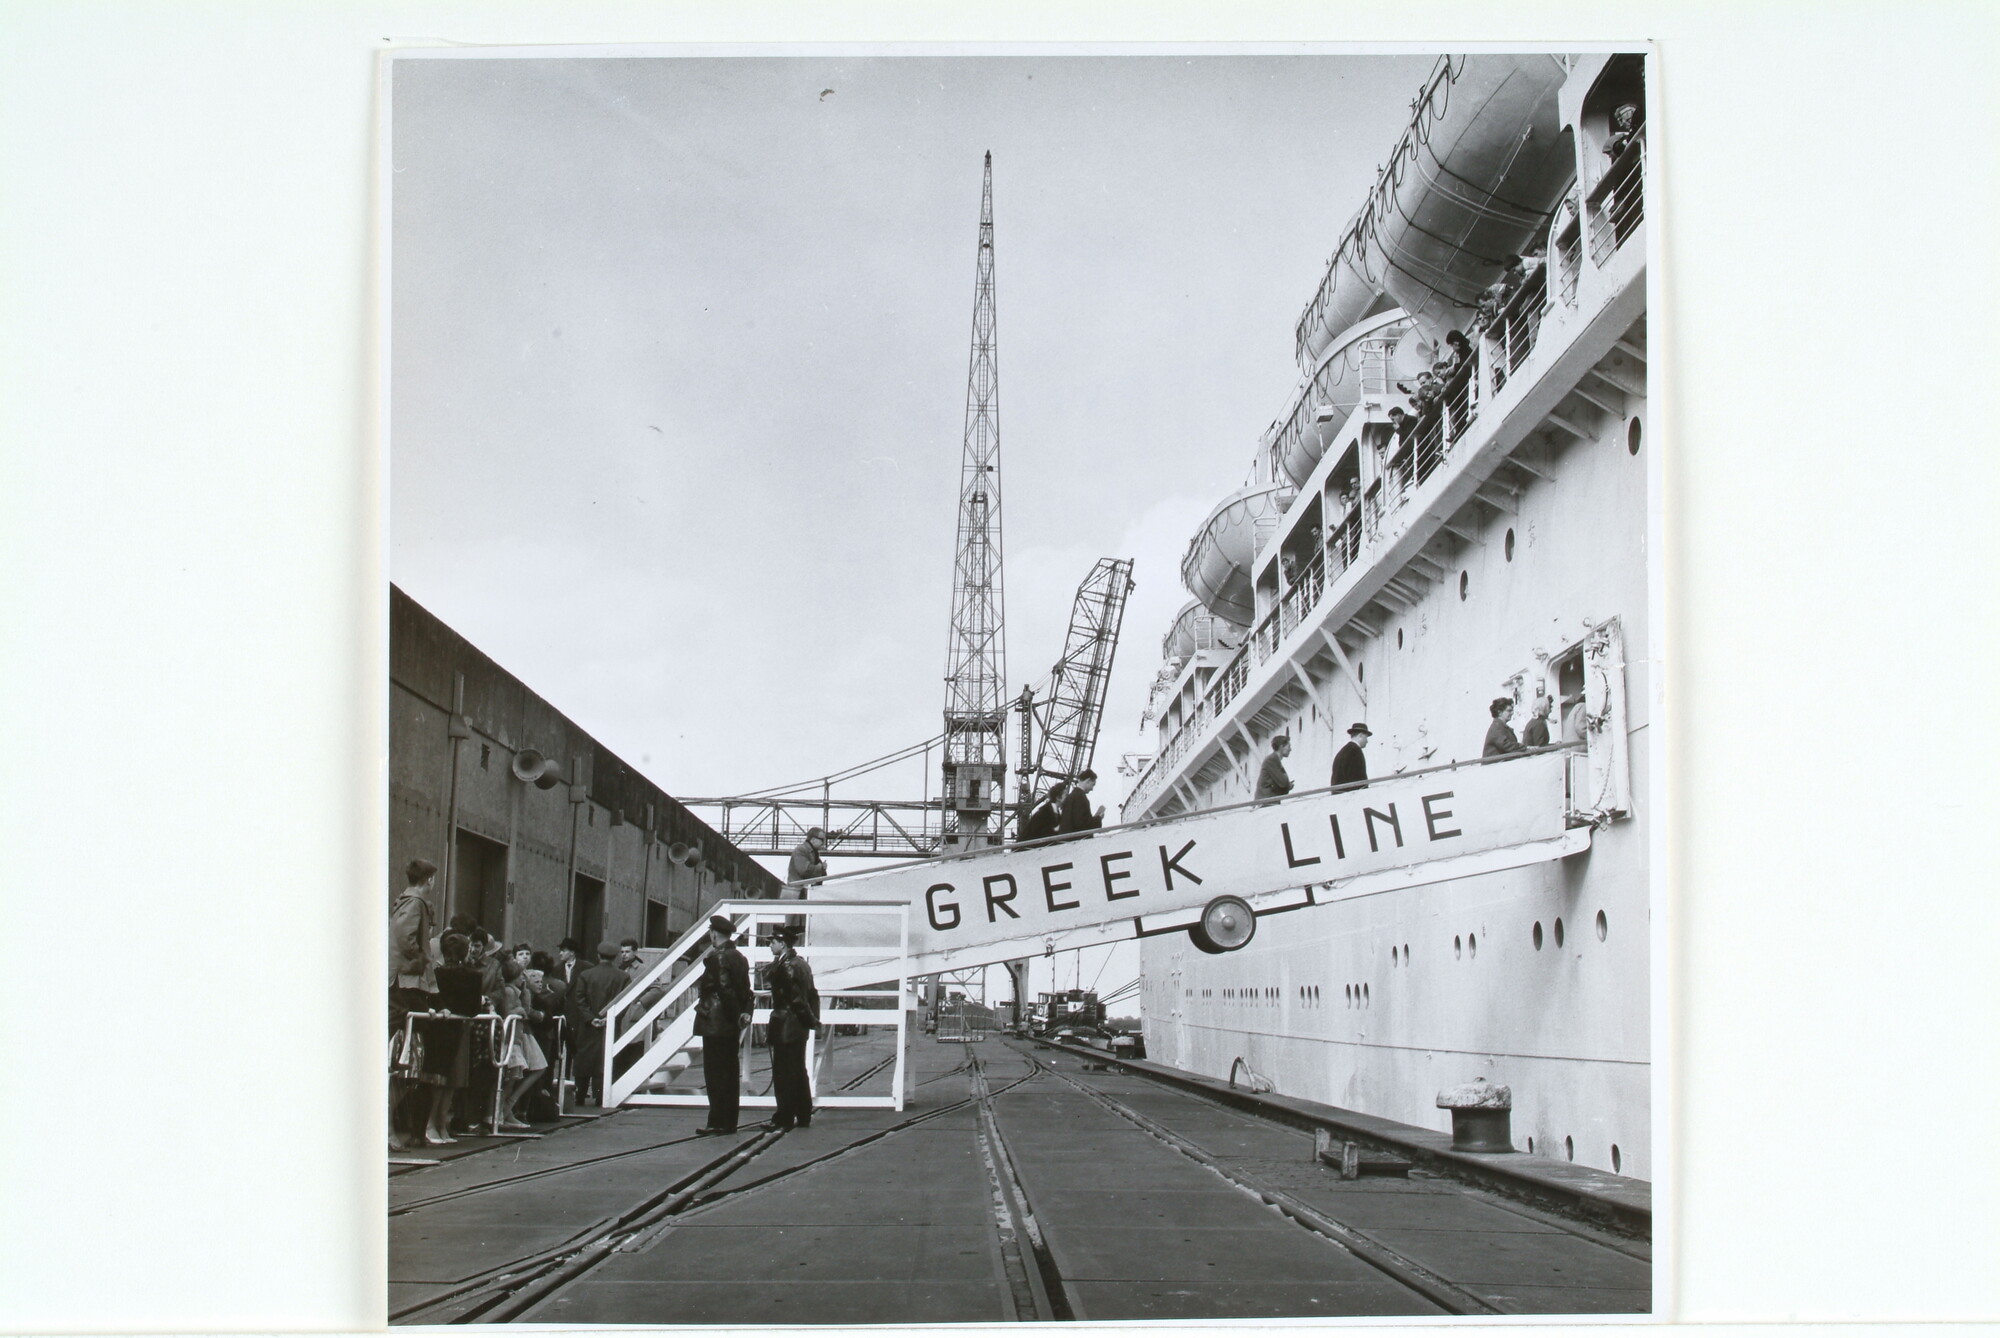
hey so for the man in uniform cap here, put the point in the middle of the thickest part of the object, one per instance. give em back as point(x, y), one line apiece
point(794, 1016)
point(1349, 766)
point(722, 1013)
point(595, 989)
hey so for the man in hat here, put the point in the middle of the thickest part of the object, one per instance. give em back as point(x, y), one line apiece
point(722, 1013)
point(794, 1016)
point(1272, 781)
point(806, 867)
point(595, 989)
point(1350, 767)
point(1077, 814)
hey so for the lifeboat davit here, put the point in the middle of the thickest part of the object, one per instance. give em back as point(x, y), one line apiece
point(1216, 570)
point(1196, 629)
point(1322, 409)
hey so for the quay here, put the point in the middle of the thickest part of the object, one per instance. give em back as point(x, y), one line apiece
point(1021, 1182)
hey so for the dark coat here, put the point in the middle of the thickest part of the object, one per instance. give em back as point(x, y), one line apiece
point(1350, 764)
point(1077, 815)
point(1046, 820)
point(1535, 734)
point(1500, 740)
point(794, 1000)
point(1272, 780)
point(595, 989)
point(724, 993)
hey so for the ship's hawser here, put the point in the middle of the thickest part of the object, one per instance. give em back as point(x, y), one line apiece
point(1406, 571)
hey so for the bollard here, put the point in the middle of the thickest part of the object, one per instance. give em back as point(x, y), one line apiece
point(1481, 1116)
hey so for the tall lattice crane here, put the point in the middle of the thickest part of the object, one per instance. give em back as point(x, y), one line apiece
point(1059, 726)
point(975, 714)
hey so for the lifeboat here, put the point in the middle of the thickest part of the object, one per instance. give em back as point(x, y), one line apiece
point(1195, 629)
point(1216, 569)
point(1472, 182)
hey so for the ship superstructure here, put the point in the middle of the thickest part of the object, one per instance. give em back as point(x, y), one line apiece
point(1435, 522)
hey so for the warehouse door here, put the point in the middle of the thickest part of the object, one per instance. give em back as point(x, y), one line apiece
point(586, 914)
point(481, 882)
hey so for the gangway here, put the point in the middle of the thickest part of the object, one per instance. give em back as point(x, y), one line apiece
point(1214, 874)
point(878, 932)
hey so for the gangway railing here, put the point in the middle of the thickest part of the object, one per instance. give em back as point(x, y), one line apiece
point(665, 1028)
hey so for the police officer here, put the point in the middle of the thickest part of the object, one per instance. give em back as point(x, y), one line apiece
point(721, 1013)
point(794, 1016)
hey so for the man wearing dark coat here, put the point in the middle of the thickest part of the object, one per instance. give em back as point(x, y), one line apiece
point(1350, 767)
point(794, 1016)
point(593, 993)
point(721, 1014)
point(1077, 815)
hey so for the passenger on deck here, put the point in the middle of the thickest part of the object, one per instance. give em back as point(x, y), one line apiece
point(1460, 354)
point(720, 1017)
point(1500, 738)
point(1077, 814)
point(794, 1016)
point(1350, 766)
point(1624, 129)
point(1403, 424)
point(595, 990)
point(1535, 734)
point(1272, 782)
point(1045, 819)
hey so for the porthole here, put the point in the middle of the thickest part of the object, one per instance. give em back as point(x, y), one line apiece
point(1406, 954)
point(1569, 1147)
point(1472, 944)
point(1531, 1145)
point(1366, 997)
point(1347, 992)
point(1603, 927)
point(1399, 638)
point(1360, 672)
point(1538, 936)
point(1464, 584)
point(1617, 1162)
point(1457, 946)
point(1510, 545)
point(1632, 434)
point(1392, 954)
point(1559, 931)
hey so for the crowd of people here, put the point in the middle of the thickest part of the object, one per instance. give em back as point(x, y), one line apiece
point(482, 1033)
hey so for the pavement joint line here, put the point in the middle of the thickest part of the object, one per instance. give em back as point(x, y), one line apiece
point(1428, 1284)
point(1023, 1270)
point(529, 1268)
point(505, 1182)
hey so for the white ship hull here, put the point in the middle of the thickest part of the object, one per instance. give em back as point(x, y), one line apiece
point(1479, 572)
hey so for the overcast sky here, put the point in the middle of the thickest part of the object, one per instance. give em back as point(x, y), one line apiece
point(679, 360)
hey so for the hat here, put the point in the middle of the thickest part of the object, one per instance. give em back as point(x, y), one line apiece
point(607, 949)
point(722, 924)
point(1359, 728)
point(789, 933)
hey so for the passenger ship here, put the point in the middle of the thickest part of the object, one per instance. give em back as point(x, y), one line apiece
point(1367, 572)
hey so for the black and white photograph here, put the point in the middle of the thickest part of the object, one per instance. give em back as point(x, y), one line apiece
point(1022, 684)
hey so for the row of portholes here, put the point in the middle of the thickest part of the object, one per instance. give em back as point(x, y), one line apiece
point(1359, 997)
point(1308, 996)
point(1603, 931)
point(1569, 1153)
point(1397, 958)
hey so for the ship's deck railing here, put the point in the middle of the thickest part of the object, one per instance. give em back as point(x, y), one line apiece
point(1615, 213)
point(1617, 202)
